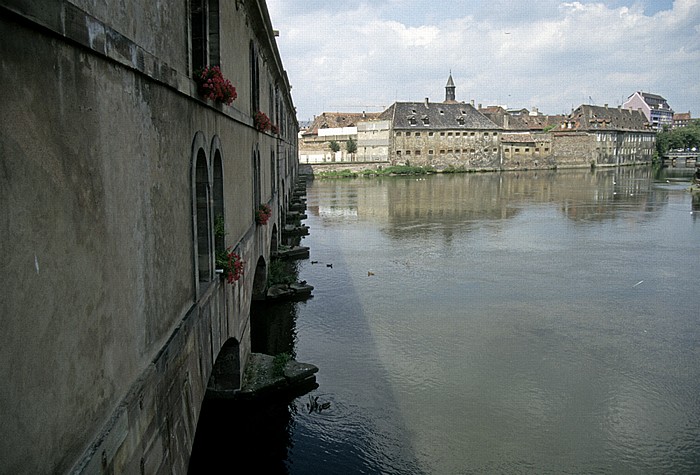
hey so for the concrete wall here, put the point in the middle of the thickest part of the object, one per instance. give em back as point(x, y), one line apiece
point(108, 336)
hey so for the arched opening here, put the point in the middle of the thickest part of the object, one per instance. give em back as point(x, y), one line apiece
point(202, 218)
point(273, 240)
point(218, 195)
point(257, 196)
point(226, 374)
point(260, 280)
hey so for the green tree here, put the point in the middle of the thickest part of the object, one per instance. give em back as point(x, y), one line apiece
point(334, 146)
point(684, 138)
point(351, 146)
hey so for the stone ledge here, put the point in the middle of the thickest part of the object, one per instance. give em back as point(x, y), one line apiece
point(261, 380)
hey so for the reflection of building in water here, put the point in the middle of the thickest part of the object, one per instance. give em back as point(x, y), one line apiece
point(448, 204)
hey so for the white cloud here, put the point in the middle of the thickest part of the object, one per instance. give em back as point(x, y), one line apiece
point(548, 54)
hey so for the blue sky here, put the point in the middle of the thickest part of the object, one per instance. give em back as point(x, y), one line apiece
point(356, 55)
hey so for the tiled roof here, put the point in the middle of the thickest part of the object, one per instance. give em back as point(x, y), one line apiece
point(437, 115)
point(588, 117)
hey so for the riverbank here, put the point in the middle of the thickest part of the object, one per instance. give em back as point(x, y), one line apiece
point(373, 169)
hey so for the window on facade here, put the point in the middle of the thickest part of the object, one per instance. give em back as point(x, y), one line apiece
point(517, 150)
point(273, 171)
point(495, 149)
point(254, 80)
point(431, 152)
point(417, 134)
point(471, 134)
point(203, 218)
point(449, 134)
point(442, 134)
point(450, 151)
point(546, 149)
point(218, 191)
point(398, 152)
point(430, 134)
point(204, 33)
point(256, 181)
point(527, 150)
point(442, 152)
point(417, 152)
point(408, 152)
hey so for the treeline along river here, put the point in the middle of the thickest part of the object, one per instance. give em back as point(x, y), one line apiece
point(529, 322)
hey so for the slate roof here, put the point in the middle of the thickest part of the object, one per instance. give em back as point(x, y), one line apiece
point(590, 118)
point(436, 115)
point(521, 121)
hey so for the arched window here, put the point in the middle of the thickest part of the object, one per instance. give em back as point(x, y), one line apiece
point(273, 171)
point(203, 218)
point(218, 196)
point(254, 80)
point(256, 180)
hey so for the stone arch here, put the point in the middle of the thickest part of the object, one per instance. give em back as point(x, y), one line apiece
point(202, 222)
point(260, 279)
point(226, 375)
point(217, 174)
point(273, 240)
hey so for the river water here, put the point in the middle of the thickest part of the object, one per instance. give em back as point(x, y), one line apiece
point(522, 322)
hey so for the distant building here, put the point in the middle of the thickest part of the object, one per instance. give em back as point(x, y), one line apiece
point(521, 120)
point(681, 119)
point(341, 127)
point(373, 140)
point(654, 107)
point(442, 134)
point(604, 135)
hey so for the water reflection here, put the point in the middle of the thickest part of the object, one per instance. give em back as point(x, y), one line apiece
point(539, 322)
point(516, 322)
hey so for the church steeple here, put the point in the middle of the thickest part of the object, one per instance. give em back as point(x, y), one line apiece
point(450, 90)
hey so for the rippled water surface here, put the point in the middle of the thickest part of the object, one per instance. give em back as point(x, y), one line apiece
point(537, 322)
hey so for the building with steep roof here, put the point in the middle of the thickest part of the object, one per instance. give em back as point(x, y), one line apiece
point(442, 134)
point(654, 107)
point(605, 136)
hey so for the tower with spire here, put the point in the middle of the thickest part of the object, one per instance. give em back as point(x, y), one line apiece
point(450, 90)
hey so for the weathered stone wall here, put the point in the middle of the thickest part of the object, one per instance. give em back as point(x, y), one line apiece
point(108, 336)
point(573, 148)
point(443, 148)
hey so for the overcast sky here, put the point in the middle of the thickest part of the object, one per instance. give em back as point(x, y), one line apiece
point(354, 55)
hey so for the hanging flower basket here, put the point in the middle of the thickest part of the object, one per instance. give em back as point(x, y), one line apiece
point(213, 85)
point(231, 263)
point(262, 122)
point(262, 214)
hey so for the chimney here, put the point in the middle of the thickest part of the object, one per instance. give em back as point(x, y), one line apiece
point(479, 106)
point(472, 102)
point(427, 102)
point(606, 106)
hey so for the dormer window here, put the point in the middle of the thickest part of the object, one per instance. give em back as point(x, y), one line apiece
point(426, 120)
point(460, 120)
point(442, 112)
point(412, 120)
